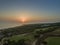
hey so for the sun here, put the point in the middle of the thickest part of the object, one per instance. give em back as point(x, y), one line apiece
point(23, 20)
point(23, 17)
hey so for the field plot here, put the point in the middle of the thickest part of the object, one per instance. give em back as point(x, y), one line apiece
point(53, 41)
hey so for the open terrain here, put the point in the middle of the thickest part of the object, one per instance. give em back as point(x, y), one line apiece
point(32, 34)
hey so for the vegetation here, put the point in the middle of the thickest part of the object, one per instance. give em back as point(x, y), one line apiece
point(27, 34)
point(53, 41)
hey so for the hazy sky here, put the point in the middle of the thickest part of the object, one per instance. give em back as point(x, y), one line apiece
point(17, 11)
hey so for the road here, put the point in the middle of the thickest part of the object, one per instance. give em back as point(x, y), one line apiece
point(42, 37)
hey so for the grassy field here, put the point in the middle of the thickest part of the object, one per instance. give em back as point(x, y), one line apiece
point(53, 41)
point(28, 37)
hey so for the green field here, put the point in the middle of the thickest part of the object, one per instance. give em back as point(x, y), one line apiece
point(53, 41)
point(28, 37)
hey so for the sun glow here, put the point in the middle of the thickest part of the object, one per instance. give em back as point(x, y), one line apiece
point(24, 16)
point(23, 20)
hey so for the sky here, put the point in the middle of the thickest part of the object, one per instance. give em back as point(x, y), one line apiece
point(15, 12)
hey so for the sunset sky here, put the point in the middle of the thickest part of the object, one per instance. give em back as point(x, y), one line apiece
point(15, 12)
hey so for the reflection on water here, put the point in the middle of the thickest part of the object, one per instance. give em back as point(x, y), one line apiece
point(8, 25)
